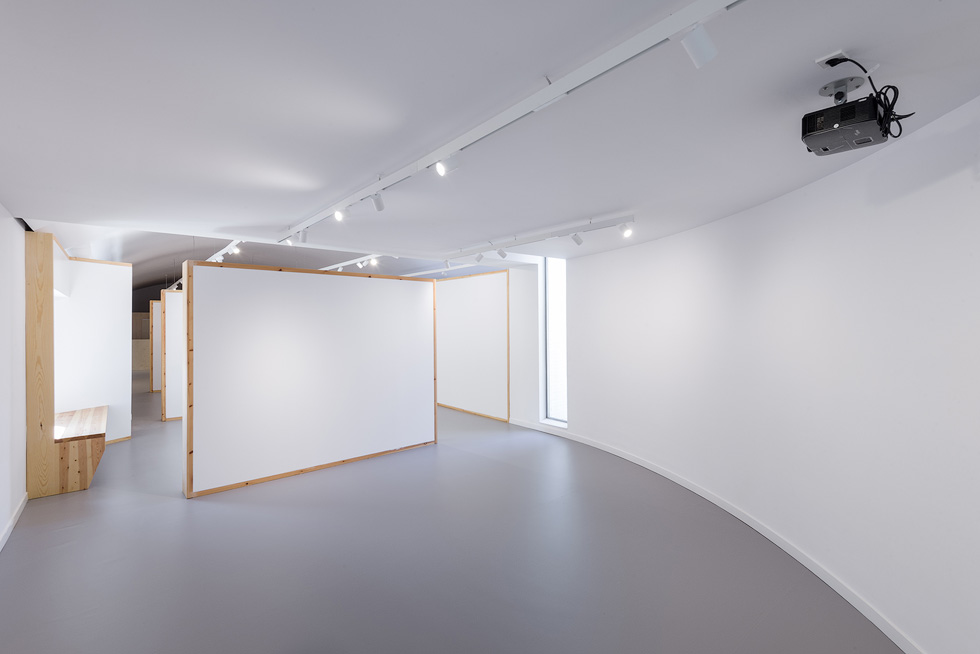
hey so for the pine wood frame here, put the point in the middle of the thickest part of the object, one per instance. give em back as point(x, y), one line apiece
point(188, 277)
point(474, 413)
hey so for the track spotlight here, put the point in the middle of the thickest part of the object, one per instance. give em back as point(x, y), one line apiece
point(479, 257)
point(577, 239)
point(340, 269)
point(236, 250)
point(379, 202)
point(700, 48)
point(302, 236)
point(360, 264)
point(288, 241)
point(446, 263)
point(627, 230)
point(447, 166)
point(338, 215)
point(219, 259)
point(374, 262)
point(501, 253)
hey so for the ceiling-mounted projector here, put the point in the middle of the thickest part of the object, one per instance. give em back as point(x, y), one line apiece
point(852, 125)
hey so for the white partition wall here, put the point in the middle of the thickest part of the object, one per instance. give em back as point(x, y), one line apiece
point(472, 342)
point(13, 391)
point(93, 352)
point(174, 354)
point(156, 346)
point(296, 370)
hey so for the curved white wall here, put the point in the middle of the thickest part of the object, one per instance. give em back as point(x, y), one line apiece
point(813, 365)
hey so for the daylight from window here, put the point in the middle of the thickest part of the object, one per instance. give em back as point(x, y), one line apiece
point(556, 353)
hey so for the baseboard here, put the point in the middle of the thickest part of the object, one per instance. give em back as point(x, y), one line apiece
point(13, 521)
point(888, 628)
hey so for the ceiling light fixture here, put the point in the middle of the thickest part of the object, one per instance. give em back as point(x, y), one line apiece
point(446, 166)
point(577, 239)
point(379, 202)
point(479, 257)
point(699, 46)
point(340, 269)
point(360, 264)
point(501, 253)
point(302, 236)
point(626, 229)
point(338, 215)
point(374, 262)
point(288, 241)
point(236, 250)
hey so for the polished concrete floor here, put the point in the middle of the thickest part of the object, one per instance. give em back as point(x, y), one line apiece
point(498, 539)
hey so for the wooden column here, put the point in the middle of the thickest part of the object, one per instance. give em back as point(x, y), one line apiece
point(43, 477)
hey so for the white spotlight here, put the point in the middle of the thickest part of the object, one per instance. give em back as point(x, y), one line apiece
point(219, 259)
point(577, 239)
point(446, 263)
point(447, 166)
point(236, 250)
point(379, 202)
point(360, 264)
point(338, 215)
point(340, 269)
point(374, 262)
point(501, 253)
point(302, 236)
point(627, 230)
point(699, 46)
point(288, 241)
point(479, 257)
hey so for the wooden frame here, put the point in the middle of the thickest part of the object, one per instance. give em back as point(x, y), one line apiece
point(152, 302)
point(475, 413)
point(54, 466)
point(163, 355)
point(188, 277)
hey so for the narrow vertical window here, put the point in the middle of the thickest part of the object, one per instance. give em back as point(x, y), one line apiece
point(556, 352)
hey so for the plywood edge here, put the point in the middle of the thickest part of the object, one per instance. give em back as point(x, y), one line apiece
point(293, 473)
point(119, 440)
point(247, 266)
point(472, 413)
point(492, 272)
point(172, 419)
point(187, 479)
point(108, 263)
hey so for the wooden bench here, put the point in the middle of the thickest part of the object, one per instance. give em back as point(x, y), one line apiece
point(80, 438)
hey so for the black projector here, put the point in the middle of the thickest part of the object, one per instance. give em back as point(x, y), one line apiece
point(843, 127)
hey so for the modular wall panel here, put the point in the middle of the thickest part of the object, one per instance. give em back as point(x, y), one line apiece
point(472, 342)
point(156, 346)
point(93, 352)
point(294, 370)
point(174, 354)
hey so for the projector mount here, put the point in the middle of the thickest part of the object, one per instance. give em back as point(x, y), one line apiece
point(886, 98)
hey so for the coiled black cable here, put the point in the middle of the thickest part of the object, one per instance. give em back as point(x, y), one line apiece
point(886, 98)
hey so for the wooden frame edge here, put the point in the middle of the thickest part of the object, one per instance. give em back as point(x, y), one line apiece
point(248, 266)
point(119, 440)
point(491, 272)
point(473, 413)
point(187, 272)
point(108, 263)
point(293, 473)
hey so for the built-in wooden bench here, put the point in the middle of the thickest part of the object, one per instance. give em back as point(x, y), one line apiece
point(80, 438)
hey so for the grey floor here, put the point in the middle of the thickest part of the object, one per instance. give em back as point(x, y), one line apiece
point(499, 539)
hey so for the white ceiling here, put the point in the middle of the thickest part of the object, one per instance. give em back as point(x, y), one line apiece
point(241, 118)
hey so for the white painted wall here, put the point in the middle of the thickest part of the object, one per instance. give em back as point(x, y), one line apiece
point(174, 354)
point(813, 365)
point(93, 344)
point(471, 342)
point(295, 370)
point(13, 399)
point(156, 346)
point(526, 382)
